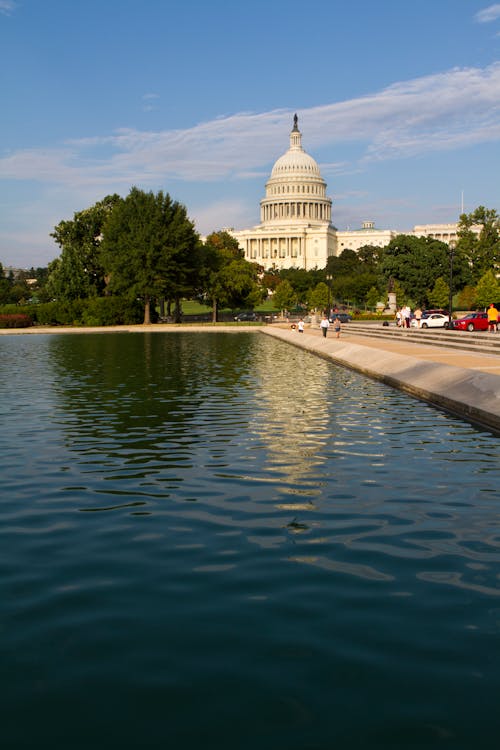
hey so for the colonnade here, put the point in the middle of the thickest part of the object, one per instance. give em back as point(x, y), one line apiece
point(271, 248)
point(313, 210)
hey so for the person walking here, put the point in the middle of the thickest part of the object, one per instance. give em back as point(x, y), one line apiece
point(300, 326)
point(324, 325)
point(405, 316)
point(337, 327)
point(492, 318)
point(418, 316)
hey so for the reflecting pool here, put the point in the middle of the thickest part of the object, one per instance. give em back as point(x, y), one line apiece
point(219, 540)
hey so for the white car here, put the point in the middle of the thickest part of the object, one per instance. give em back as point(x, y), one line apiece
point(435, 320)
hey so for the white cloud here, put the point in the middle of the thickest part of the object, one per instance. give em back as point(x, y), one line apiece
point(491, 13)
point(7, 6)
point(453, 110)
point(214, 216)
point(441, 112)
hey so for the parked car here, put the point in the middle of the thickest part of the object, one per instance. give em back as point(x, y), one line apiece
point(342, 316)
point(476, 321)
point(434, 320)
point(245, 316)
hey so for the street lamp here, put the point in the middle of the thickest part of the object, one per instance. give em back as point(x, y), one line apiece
point(328, 283)
point(450, 299)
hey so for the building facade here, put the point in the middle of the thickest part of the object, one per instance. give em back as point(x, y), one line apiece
point(296, 230)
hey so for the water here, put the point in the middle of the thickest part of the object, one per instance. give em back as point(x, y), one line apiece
point(218, 540)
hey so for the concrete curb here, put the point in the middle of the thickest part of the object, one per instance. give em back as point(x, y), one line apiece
point(469, 394)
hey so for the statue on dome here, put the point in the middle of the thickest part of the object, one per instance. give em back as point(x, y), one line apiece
point(295, 122)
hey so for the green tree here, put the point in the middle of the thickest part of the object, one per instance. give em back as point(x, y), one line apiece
point(228, 279)
point(319, 297)
point(5, 286)
point(369, 257)
point(440, 294)
point(373, 297)
point(302, 281)
point(466, 298)
point(150, 249)
point(344, 264)
point(285, 296)
point(353, 274)
point(79, 273)
point(416, 263)
point(487, 290)
point(480, 253)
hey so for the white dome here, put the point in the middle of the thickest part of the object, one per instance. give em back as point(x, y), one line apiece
point(295, 191)
point(295, 163)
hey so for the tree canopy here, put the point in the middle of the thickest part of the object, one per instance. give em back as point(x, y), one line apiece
point(416, 263)
point(150, 249)
point(78, 273)
point(228, 279)
point(480, 253)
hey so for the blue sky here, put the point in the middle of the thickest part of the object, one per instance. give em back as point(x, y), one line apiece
point(398, 101)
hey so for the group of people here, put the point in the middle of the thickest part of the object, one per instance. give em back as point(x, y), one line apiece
point(324, 325)
point(403, 316)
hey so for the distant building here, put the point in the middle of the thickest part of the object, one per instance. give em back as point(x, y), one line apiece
point(353, 239)
point(296, 230)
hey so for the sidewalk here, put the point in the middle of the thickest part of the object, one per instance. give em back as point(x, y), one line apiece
point(457, 357)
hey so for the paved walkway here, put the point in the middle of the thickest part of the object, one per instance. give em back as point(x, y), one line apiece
point(457, 357)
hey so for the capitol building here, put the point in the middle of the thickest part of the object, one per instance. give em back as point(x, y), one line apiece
point(296, 229)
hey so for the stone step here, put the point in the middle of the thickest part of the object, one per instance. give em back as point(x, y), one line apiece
point(485, 343)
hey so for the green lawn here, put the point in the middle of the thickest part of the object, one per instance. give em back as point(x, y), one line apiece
point(193, 307)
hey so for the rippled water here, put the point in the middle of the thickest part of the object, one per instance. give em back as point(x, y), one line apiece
point(220, 540)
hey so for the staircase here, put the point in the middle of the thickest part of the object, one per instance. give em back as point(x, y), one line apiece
point(475, 341)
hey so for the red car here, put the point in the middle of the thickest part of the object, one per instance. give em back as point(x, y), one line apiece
point(477, 321)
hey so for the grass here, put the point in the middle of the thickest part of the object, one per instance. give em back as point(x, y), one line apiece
point(193, 307)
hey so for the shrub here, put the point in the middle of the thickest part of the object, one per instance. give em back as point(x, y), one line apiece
point(95, 311)
point(15, 320)
point(57, 313)
point(111, 311)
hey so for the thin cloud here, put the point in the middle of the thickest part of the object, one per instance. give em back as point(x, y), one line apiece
point(149, 102)
point(491, 13)
point(7, 7)
point(451, 110)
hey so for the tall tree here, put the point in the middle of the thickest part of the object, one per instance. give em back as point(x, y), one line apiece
point(440, 294)
point(150, 249)
point(319, 297)
point(416, 263)
point(480, 252)
point(79, 273)
point(5, 286)
point(229, 279)
point(488, 289)
point(285, 296)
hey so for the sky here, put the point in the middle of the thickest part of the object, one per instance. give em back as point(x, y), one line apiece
point(398, 101)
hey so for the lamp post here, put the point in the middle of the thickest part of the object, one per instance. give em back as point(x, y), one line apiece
point(450, 299)
point(328, 283)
